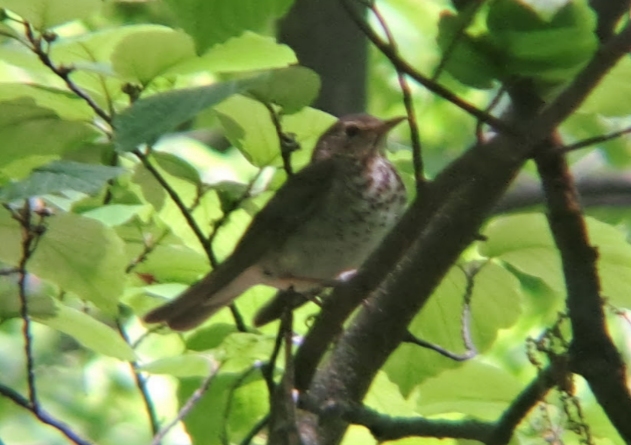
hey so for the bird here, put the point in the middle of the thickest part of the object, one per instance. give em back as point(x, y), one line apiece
point(321, 225)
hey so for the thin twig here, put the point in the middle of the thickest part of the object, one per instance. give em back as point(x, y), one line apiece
point(287, 143)
point(473, 9)
point(238, 319)
point(595, 140)
point(29, 235)
point(188, 406)
point(141, 383)
point(479, 126)
point(43, 415)
point(225, 437)
point(405, 67)
point(255, 430)
point(149, 246)
point(62, 72)
point(268, 369)
point(417, 153)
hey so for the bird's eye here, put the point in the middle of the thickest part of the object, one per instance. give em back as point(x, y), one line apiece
point(351, 130)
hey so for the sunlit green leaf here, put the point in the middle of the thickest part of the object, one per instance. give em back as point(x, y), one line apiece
point(612, 96)
point(249, 127)
point(291, 88)
point(43, 14)
point(188, 365)
point(461, 391)
point(143, 56)
point(79, 254)
point(66, 105)
point(247, 52)
point(89, 332)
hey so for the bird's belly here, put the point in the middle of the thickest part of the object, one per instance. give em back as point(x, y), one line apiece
point(329, 245)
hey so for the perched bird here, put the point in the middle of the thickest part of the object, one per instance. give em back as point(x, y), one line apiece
point(324, 221)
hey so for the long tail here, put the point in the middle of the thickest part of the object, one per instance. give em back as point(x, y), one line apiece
point(202, 300)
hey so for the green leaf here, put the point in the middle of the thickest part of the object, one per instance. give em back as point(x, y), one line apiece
point(148, 119)
point(533, 252)
point(177, 167)
point(44, 14)
point(214, 21)
point(79, 254)
point(461, 391)
point(291, 88)
point(205, 424)
point(187, 365)
point(59, 176)
point(548, 50)
point(495, 304)
point(612, 96)
point(27, 129)
point(143, 56)
point(248, 52)
point(89, 332)
point(114, 214)
point(439, 322)
point(469, 59)
point(67, 105)
point(248, 126)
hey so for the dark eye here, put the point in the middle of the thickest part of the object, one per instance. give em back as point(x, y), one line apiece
point(351, 130)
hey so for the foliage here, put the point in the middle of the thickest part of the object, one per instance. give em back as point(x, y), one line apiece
point(117, 193)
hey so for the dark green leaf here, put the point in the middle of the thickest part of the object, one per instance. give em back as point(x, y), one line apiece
point(214, 21)
point(177, 166)
point(148, 119)
point(58, 176)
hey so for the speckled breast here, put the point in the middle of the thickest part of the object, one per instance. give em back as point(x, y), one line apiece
point(364, 203)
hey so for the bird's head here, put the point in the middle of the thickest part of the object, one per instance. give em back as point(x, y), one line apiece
point(357, 136)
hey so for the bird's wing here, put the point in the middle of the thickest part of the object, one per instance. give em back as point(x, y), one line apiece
point(294, 203)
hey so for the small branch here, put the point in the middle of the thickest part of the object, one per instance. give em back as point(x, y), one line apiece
point(411, 338)
point(417, 153)
point(30, 235)
point(479, 127)
point(255, 430)
point(176, 199)
point(188, 406)
point(471, 12)
point(595, 140)
point(530, 396)
point(62, 72)
point(149, 245)
point(225, 437)
point(267, 370)
point(141, 383)
point(406, 68)
point(43, 416)
point(385, 428)
point(9, 271)
point(287, 142)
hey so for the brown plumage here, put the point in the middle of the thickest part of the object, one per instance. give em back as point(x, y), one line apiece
point(323, 221)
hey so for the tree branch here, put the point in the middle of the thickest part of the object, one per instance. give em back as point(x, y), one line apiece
point(404, 67)
point(592, 352)
point(458, 202)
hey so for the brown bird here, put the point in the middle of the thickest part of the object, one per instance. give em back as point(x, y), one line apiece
point(324, 221)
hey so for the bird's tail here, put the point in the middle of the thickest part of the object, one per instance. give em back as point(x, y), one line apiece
point(201, 301)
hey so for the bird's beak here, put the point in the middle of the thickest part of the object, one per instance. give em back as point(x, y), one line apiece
point(388, 125)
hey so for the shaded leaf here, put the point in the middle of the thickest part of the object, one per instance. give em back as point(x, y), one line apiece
point(58, 176)
point(214, 21)
point(177, 167)
point(148, 119)
point(27, 129)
